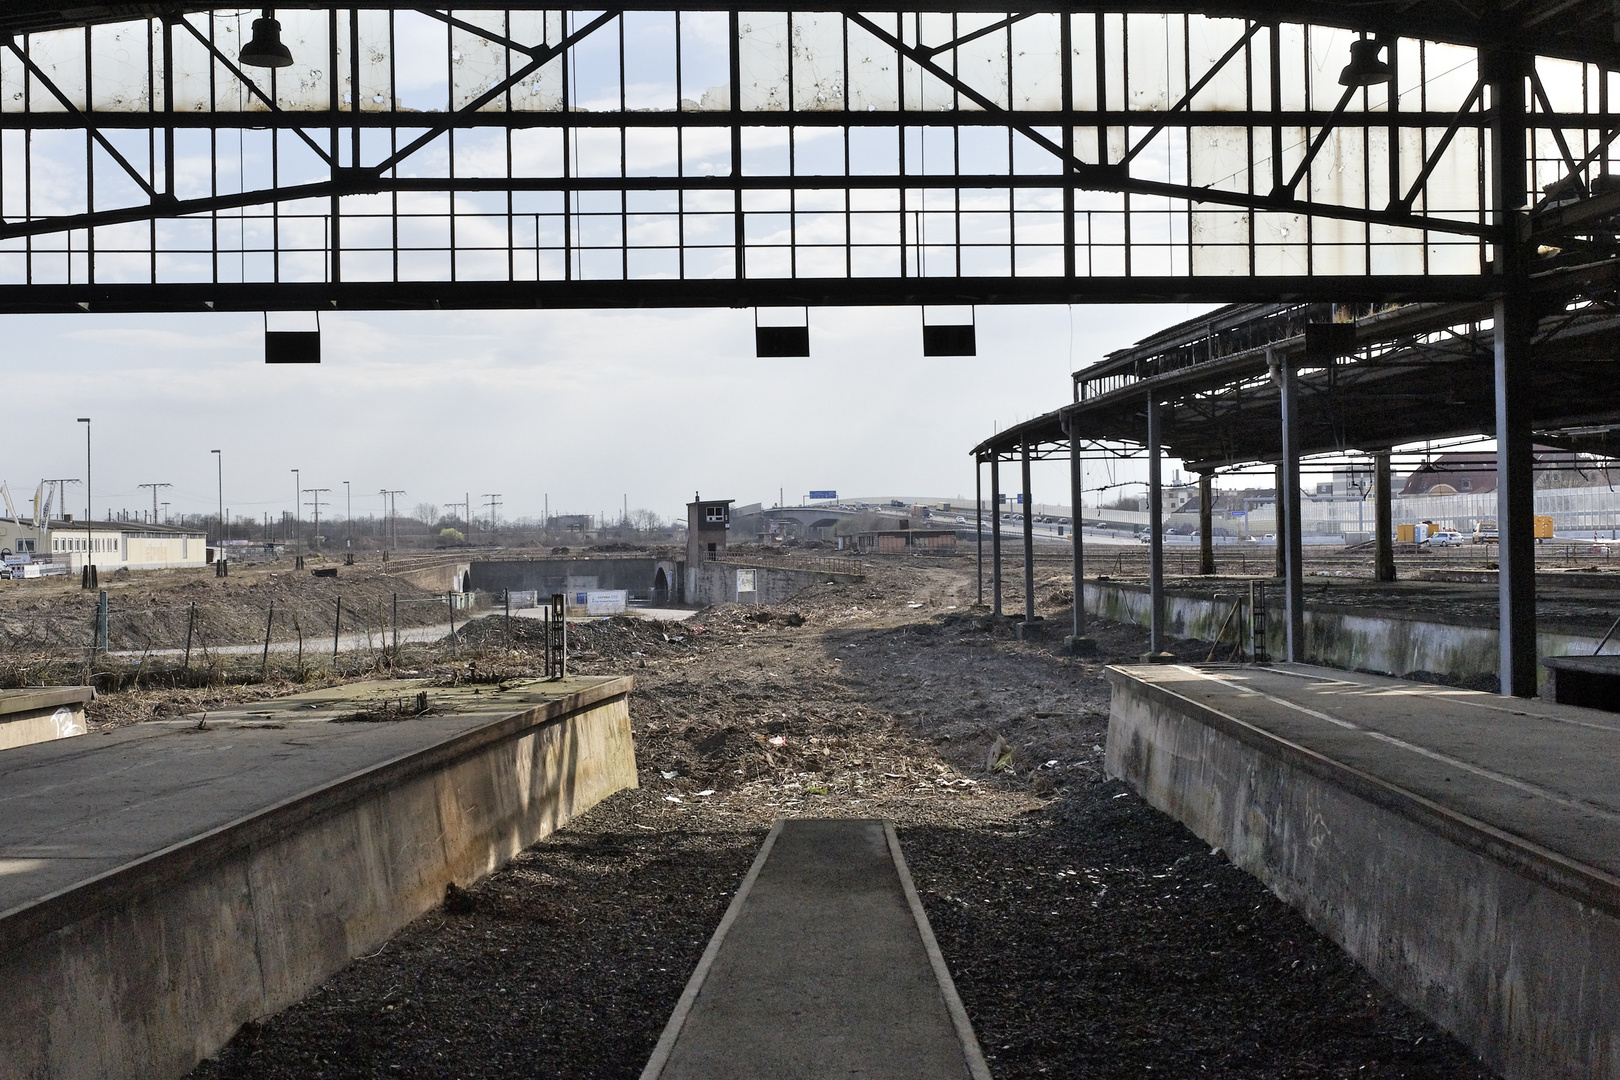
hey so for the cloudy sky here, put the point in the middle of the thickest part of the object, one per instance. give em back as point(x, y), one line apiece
point(584, 407)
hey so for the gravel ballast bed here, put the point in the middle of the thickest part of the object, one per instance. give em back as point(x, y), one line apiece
point(1088, 934)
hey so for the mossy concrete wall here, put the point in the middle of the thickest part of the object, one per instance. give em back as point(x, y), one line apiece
point(1355, 640)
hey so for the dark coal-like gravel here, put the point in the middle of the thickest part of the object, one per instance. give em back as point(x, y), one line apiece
point(1090, 936)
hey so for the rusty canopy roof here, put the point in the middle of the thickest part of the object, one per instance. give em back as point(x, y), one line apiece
point(1418, 371)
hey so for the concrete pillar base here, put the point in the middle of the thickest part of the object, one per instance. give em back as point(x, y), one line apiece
point(1030, 629)
point(1159, 658)
point(1080, 646)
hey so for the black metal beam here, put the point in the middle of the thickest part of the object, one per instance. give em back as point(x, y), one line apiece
point(289, 120)
point(367, 181)
point(769, 292)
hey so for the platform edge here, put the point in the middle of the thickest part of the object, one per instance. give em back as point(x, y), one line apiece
point(972, 1055)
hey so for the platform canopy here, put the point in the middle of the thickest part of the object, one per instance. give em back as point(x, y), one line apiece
point(724, 154)
point(1416, 372)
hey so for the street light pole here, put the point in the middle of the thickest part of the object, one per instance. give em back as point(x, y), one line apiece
point(219, 460)
point(348, 515)
point(297, 494)
point(89, 502)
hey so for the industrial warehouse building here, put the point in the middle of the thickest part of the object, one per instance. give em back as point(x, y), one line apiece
point(106, 544)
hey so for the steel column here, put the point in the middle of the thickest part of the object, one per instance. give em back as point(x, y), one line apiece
point(1515, 499)
point(1383, 520)
point(1029, 541)
point(1077, 562)
point(1290, 539)
point(978, 520)
point(995, 532)
point(1514, 322)
point(1206, 519)
point(1280, 512)
point(1155, 531)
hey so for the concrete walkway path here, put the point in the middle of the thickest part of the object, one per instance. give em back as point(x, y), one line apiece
point(824, 966)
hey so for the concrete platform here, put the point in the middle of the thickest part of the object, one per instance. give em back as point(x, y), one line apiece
point(41, 713)
point(823, 966)
point(1463, 847)
point(1592, 681)
point(162, 884)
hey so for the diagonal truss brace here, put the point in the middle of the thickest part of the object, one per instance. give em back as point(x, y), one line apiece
point(538, 58)
point(1404, 202)
point(488, 35)
point(345, 181)
point(1117, 178)
point(1192, 91)
point(954, 43)
point(1288, 189)
point(252, 87)
point(91, 129)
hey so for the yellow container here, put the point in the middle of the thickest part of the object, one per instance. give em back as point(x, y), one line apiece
point(1406, 534)
point(1544, 527)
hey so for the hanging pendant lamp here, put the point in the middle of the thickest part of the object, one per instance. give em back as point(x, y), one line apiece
point(265, 48)
point(1364, 68)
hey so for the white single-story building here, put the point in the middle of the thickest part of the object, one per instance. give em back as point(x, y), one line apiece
point(107, 544)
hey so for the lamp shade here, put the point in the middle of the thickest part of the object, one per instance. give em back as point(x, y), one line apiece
point(1364, 68)
point(265, 48)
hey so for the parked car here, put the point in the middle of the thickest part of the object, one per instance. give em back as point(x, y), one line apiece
point(1444, 538)
point(1485, 533)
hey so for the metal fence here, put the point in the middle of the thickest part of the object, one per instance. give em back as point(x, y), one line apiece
point(1573, 510)
point(186, 634)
